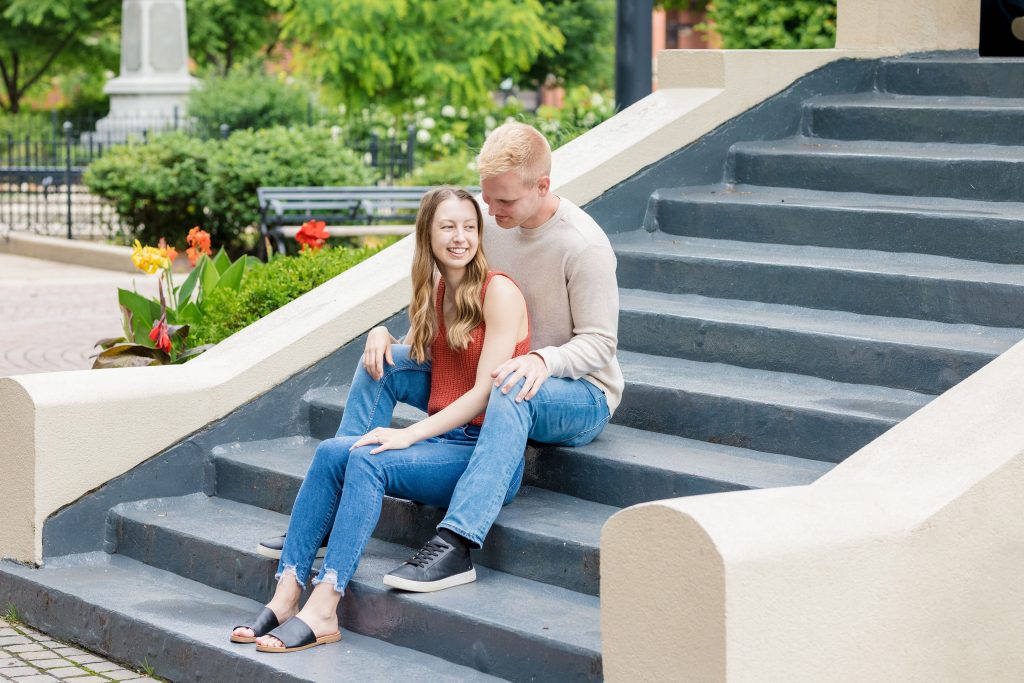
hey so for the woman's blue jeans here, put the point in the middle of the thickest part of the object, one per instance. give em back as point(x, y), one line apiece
point(473, 472)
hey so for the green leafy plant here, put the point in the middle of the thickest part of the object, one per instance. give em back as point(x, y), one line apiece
point(269, 286)
point(156, 332)
point(774, 24)
point(148, 668)
point(457, 169)
point(246, 99)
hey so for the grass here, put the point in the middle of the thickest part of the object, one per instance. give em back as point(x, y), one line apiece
point(148, 668)
point(11, 614)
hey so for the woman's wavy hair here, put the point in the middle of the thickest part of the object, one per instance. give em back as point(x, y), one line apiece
point(468, 307)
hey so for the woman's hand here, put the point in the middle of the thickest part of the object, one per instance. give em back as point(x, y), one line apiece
point(378, 350)
point(389, 439)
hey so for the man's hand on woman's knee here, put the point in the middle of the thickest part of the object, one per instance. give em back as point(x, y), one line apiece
point(530, 368)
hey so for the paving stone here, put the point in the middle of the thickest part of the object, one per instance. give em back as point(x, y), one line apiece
point(50, 643)
point(66, 672)
point(100, 666)
point(5, 632)
point(122, 675)
point(24, 647)
point(68, 651)
point(38, 678)
point(8, 661)
point(39, 654)
point(87, 679)
point(85, 659)
point(32, 633)
point(51, 663)
point(14, 640)
point(20, 671)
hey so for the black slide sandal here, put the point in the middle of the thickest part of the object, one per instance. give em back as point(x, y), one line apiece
point(296, 635)
point(265, 622)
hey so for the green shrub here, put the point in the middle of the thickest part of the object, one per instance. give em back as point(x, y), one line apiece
point(458, 169)
point(157, 187)
point(243, 99)
point(273, 157)
point(267, 287)
point(774, 24)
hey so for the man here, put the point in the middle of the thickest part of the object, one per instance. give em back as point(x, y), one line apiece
point(563, 392)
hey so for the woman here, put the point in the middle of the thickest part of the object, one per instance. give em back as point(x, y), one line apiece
point(455, 301)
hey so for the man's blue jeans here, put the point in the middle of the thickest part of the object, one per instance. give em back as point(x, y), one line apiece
point(473, 476)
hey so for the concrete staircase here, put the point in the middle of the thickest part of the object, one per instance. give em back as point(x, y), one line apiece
point(771, 325)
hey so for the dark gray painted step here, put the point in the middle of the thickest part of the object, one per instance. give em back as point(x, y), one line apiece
point(542, 535)
point(910, 354)
point(519, 629)
point(769, 411)
point(856, 280)
point(981, 231)
point(983, 172)
point(623, 466)
point(963, 75)
point(880, 116)
point(124, 609)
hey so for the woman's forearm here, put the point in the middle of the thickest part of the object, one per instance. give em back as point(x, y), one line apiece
point(459, 412)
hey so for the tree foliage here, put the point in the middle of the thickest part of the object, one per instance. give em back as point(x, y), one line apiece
point(223, 33)
point(43, 37)
point(391, 51)
point(588, 55)
point(774, 24)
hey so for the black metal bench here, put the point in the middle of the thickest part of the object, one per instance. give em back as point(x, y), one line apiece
point(348, 211)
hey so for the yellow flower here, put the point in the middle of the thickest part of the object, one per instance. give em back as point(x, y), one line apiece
point(149, 259)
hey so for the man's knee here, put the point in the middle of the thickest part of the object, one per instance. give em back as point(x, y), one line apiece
point(332, 455)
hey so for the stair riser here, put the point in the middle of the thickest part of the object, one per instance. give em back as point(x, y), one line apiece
point(842, 359)
point(549, 560)
point(111, 633)
point(986, 179)
point(842, 290)
point(974, 126)
point(978, 79)
point(568, 471)
point(765, 427)
point(981, 239)
point(399, 618)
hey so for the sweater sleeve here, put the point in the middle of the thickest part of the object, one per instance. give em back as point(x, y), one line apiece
point(594, 304)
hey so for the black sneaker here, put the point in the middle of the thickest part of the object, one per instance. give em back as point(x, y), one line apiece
point(272, 547)
point(437, 565)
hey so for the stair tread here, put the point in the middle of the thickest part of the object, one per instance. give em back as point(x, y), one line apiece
point(904, 331)
point(886, 100)
point(662, 245)
point(937, 151)
point(203, 617)
point(765, 386)
point(673, 454)
point(844, 201)
point(536, 511)
point(509, 602)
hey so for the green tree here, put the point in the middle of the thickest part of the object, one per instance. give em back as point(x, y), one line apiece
point(222, 33)
point(774, 24)
point(391, 51)
point(589, 52)
point(43, 37)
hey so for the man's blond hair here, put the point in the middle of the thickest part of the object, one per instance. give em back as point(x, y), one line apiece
point(515, 147)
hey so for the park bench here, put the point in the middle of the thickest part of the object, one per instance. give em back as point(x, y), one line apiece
point(348, 211)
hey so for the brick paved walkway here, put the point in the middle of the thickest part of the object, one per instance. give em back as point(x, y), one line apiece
point(27, 656)
point(51, 314)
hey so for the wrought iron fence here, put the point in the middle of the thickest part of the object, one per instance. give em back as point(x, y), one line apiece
point(41, 170)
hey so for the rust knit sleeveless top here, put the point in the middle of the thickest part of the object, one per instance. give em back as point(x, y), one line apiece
point(453, 373)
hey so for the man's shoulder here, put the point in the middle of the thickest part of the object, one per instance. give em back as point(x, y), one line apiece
point(582, 225)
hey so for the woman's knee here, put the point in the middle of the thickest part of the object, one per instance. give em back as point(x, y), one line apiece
point(362, 463)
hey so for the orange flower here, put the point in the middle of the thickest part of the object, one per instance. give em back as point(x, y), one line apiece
point(170, 252)
point(199, 244)
point(160, 337)
point(312, 234)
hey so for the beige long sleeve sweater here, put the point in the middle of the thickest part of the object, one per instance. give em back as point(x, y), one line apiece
point(566, 271)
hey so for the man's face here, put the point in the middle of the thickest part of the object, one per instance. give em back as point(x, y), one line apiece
point(512, 202)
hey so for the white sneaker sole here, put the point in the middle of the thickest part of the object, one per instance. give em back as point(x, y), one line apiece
point(430, 586)
point(276, 554)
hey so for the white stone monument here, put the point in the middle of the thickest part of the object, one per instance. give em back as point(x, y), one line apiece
point(152, 88)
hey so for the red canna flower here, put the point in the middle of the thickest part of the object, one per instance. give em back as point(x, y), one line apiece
point(198, 244)
point(159, 335)
point(312, 234)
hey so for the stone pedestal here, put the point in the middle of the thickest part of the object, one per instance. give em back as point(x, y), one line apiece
point(152, 89)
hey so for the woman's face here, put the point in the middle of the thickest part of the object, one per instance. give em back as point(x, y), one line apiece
point(454, 233)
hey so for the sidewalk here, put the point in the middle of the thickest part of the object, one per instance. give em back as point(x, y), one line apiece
point(51, 314)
